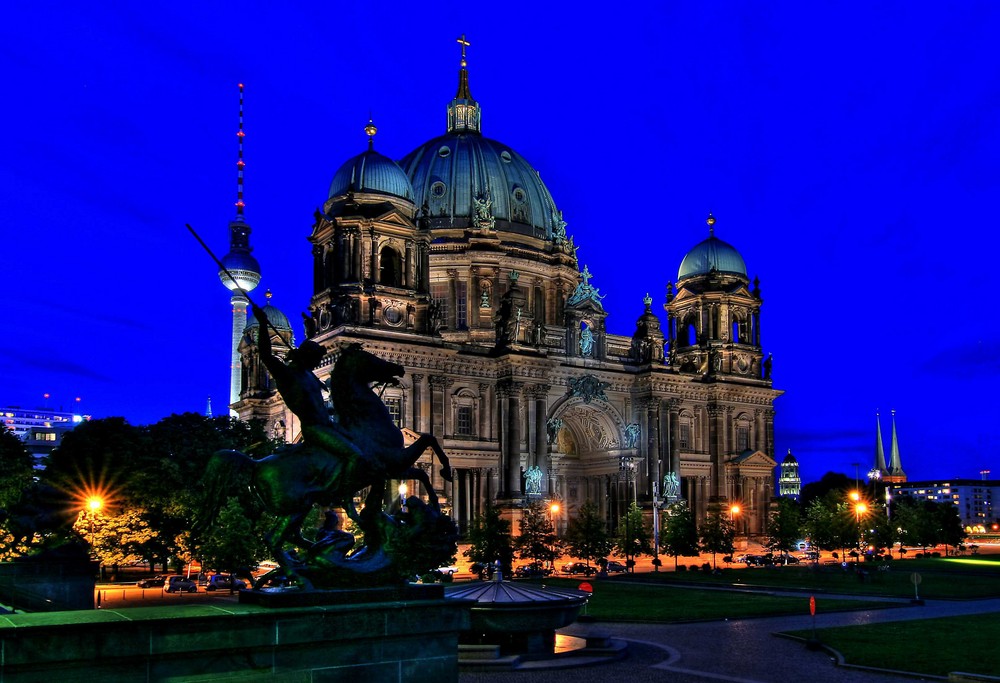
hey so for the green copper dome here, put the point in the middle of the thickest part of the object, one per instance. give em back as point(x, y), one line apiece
point(371, 172)
point(712, 254)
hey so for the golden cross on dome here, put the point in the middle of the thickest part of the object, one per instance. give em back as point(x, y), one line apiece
point(464, 43)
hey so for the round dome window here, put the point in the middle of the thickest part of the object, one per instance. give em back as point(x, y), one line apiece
point(505, 155)
point(444, 151)
point(519, 195)
point(438, 189)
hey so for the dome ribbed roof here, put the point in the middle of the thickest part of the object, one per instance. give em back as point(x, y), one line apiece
point(274, 316)
point(712, 254)
point(450, 172)
point(371, 172)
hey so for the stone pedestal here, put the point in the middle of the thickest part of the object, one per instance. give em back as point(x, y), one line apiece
point(48, 585)
point(391, 641)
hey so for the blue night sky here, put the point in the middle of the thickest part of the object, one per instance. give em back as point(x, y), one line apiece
point(850, 153)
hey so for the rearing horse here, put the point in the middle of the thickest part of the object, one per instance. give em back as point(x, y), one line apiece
point(368, 425)
point(365, 449)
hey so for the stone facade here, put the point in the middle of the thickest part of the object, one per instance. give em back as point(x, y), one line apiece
point(466, 276)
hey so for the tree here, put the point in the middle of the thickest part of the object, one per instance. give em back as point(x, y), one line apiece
point(587, 535)
point(490, 540)
point(537, 539)
point(831, 523)
point(950, 525)
point(115, 539)
point(829, 482)
point(784, 526)
point(16, 468)
point(232, 543)
point(680, 533)
point(717, 533)
point(633, 538)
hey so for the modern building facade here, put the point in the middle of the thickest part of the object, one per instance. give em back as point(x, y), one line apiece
point(974, 499)
point(41, 429)
point(456, 263)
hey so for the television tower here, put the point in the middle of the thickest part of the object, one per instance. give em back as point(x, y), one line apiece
point(244, 269)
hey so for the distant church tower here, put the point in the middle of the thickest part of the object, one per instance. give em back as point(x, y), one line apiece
point(896, 474)
point(893, 474)
point(789, 481)
point(243, 267)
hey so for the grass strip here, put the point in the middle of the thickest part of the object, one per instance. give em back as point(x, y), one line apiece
point(627, 601)
point(928, 646)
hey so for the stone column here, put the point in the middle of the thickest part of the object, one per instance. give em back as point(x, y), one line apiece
point(509, 393)
point(541, 446)
point(485, 422)
point(453, 299)
point(653, 443)
point(716, 443)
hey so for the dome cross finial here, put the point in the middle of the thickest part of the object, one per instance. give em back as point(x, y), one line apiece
point(464, 43)
point(711, 223)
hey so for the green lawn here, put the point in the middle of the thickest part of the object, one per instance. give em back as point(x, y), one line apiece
point(928, 646)
point(941, 578)
point(635, 601)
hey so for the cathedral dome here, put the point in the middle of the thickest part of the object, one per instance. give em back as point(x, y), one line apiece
point(453, 173)
point(274, 316)
point(371, 172)
point(710, 255)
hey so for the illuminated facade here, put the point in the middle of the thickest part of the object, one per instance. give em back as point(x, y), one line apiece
point(456, 263)
point(41, 429)
point(974, 499)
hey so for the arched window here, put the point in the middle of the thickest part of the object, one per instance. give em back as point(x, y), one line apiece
point(390, 267)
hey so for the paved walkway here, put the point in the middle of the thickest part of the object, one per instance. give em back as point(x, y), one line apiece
point(738, 651)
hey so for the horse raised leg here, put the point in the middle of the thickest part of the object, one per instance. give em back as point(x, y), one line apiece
point(417, 448)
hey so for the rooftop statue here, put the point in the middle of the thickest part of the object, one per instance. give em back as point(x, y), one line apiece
point(333, 462)
point(585, 291)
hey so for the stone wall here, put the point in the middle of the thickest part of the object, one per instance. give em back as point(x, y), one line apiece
point(398, 641)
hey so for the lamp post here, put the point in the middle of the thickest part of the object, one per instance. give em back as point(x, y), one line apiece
point(554, 511)
point(734, 512)
point(860, 508)
point(93, 504)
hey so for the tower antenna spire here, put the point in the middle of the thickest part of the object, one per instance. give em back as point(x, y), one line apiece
point(239, 161)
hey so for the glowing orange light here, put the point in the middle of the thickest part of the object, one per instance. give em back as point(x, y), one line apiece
point(554, 508)
point(855, 496)
point(241, 85)
point(735, 509)
point(861, 508)
point(95, 503)
point(45, 395)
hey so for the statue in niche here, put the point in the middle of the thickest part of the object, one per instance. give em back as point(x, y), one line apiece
point(630, 435)
point(552, 427)
point(484, 300)
point(767, 366)
point(533, 481)
point(586, 340)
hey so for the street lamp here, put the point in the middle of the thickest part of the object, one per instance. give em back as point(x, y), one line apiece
point(860, 508)
point(402, 489)
point(734, 511)
point(553, 511)
point(93, 504)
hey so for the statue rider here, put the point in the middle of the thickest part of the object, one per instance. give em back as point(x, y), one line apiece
point(302, 392)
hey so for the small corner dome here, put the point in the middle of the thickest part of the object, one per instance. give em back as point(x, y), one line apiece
point(712, 254)
point(371, 172)
point(789, 459)
point(274, 316)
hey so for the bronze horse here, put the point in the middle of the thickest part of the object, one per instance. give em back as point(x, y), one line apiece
point(363, 450)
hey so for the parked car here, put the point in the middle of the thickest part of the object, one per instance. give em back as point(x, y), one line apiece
point(180, 583)
point(224, 582)
point(579, 568)
point(614, 566)
point(152, 582)
point(532, 571)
